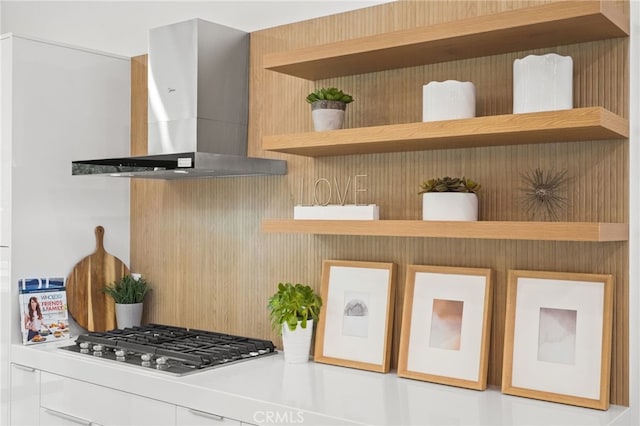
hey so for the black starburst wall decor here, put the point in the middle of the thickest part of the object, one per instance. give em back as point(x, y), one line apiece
point(543, 193)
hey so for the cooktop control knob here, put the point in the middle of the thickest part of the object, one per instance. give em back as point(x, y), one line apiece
point(97, 350)
point(146, 360)
point(120, 355)
point(162, 363)
point(84, 347)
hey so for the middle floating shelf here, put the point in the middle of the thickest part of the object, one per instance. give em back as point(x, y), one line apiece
point(572, 125)
point(504, 230)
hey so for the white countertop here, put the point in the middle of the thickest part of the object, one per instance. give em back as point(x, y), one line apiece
point(317, 393)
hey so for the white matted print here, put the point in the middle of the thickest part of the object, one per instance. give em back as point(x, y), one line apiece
point(445, 325)
point(558, 337)
point(354, 329)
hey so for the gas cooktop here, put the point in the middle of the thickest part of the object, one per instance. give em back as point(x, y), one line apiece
point(169, 349)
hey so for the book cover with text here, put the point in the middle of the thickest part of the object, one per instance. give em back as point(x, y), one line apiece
point(43, 310)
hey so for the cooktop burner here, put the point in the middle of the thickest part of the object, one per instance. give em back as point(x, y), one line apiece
point(174, 350)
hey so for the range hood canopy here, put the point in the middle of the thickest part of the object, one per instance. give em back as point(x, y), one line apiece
point(198, 84)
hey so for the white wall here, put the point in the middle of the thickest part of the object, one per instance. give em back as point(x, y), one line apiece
point(121, 26)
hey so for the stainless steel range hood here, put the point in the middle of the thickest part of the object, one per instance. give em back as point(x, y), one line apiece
point(198, 81)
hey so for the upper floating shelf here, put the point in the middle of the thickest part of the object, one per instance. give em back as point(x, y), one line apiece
point(579, 124)
point(564, 22)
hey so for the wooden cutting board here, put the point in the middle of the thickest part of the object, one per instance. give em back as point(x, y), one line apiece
point(88, 305)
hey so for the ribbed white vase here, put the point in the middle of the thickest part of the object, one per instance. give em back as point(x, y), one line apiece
point(448, 100)
point(542, 83)
point(297, 343)
point(460, 206)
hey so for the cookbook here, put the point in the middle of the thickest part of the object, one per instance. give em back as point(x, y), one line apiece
point(43, 310)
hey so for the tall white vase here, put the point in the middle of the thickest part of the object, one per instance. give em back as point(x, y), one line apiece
point(128, 315)
point(297, 343)
point(448, 100)
point(542, 83)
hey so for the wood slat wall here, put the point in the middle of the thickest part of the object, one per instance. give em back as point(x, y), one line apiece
point(199, 242)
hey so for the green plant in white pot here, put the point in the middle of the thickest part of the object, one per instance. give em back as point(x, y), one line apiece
point(328, 107)
point(449, 198)
point(128, 293)
point(293, 310)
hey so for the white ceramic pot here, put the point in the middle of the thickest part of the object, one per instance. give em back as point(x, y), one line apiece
point(128, 315)
point(327, 115)
point(448, 100)
point(459, 206)
point(542, 83)
point(297, 343)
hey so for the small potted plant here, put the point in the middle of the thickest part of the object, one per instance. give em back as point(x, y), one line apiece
point(293, 310)
point(128, 294)
point(449, 198)
point(327, 108)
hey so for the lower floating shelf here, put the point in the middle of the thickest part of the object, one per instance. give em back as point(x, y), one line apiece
point(506, 230)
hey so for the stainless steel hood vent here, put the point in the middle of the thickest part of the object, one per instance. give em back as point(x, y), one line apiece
point(198, 82)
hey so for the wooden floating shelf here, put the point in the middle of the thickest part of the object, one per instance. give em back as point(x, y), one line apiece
point(509, 230)
point(511, 31)
point(572, 125)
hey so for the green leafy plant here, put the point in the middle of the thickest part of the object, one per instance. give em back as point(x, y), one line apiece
point(127, 290)
point(329, 94)
point(293, 303)
point(449, 184)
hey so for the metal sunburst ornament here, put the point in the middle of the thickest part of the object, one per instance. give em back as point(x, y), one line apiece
point(542, 193)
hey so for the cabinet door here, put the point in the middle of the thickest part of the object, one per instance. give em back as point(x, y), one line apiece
point(190, 417)
point(25, 395)
point(102, 405)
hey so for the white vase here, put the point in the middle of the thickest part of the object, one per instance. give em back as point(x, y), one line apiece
point(297, 343)
point(327, 115)
point(448, 100)
point(542, 83)
point(128, 315)
point(458, 206)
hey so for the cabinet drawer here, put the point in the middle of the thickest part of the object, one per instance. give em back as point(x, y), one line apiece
point(190, 417)
point(101, 405)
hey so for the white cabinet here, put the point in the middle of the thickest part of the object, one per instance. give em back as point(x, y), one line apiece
point(58, 103)
point(190, 417)
point(25, 395)
point(69, 400)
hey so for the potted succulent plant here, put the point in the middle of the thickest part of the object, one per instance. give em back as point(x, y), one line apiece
point(293, 310)
point(128, 294)
point(327, 108)
point(449, 198)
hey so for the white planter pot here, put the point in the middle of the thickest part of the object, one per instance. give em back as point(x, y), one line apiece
point(327, 115)
point(542, 83)
point(297, 343)
point(458, 206)
point(448, 100)
point(128, 315)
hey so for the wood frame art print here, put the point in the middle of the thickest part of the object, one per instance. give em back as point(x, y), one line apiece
point(558, 337)
point(446, 325)
point(354, 329)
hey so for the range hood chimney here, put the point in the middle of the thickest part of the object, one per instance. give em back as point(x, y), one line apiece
point(198, 83)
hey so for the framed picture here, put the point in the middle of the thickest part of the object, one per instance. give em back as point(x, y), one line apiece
point(558, 337)
point(354, 329)
point(446, 324)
